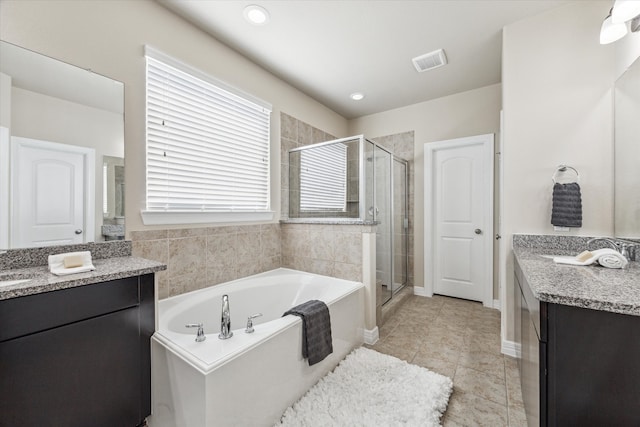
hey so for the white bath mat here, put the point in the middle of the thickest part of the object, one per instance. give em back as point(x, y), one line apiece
point(372, 389)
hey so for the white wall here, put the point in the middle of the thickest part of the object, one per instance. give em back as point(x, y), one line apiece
point(469, 113)
point(557, 100)
point(109, 36)
point(627, 51)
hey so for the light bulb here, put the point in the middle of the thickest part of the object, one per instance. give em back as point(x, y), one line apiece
point(256, 15)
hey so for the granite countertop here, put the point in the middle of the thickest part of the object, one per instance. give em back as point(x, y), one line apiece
point(594, 287)
point(41, 280)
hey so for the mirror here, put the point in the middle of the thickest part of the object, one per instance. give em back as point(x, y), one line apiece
point(627, 153)
point(61, 152)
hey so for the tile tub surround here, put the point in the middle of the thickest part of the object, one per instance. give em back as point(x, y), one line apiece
point(33, 257)
point(330, 250)
point(40, 280)
point(200, 257)
point(593, 287)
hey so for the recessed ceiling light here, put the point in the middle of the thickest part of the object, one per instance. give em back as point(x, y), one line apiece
point(357, 96)
point(256, 15)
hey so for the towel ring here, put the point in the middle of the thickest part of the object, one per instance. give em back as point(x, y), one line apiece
point(563, 168)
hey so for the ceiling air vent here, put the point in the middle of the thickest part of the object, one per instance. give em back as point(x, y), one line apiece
point(430, 60)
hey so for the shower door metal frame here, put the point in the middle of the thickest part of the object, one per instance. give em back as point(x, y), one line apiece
point(406, 216)
point(393, 158)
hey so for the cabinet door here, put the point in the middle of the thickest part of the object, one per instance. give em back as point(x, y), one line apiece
point(593, 365)
point(82, 374)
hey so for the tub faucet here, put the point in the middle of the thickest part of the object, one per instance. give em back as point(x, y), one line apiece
point(225, 321)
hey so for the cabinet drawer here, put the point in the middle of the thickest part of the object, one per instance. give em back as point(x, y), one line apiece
point(34, 313)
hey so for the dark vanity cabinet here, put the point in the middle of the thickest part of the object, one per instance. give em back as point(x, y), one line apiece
point(578, 366)
point(78, 356)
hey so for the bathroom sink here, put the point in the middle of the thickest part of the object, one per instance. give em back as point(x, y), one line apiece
point(12, 282)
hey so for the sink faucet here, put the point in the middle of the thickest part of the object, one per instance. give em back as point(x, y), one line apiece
point(628, 249)
point(608, 240)
point(225, 321)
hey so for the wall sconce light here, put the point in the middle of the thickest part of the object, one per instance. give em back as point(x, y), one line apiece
point(625, 10)
point(610, 32)
point(614, 26)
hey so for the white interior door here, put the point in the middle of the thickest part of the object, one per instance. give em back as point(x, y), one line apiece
point(51, 193)
point(459, 218)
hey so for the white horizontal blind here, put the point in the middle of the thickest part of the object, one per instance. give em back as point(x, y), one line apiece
point(207, 148)
point(323, 178)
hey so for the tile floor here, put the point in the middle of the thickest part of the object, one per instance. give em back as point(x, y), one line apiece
point(459, 339)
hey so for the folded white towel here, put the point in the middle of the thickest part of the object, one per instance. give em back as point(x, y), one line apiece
point(606, 257)
point(613, 260)
point(56, 263)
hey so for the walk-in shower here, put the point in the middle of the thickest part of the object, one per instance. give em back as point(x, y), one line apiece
point(356, 178)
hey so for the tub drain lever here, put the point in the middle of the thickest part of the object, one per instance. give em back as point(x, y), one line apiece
point(200, 336)
point(249, 328)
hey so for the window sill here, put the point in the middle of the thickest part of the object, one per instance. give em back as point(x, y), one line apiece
point(168, 218)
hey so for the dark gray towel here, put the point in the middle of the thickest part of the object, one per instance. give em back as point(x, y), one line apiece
point(316, 330)
point(567, 205)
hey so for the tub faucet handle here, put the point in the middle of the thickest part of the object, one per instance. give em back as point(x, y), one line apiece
point(249, 328)
point(200, 334)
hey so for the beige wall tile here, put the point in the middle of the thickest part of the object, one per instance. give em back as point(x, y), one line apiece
point(305, 134)
point(288, 126)
point(348, 271)
point(186, 232)
point(148, 235)
point(348, 248)
point(220, 274)
point(248, 245)
point(270, 241)
point(321, 244)
point(186, 255)
point(222, 250)
point(248, 267)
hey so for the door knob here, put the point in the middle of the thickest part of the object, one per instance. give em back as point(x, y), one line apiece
point(78, 231)
point(477, 231)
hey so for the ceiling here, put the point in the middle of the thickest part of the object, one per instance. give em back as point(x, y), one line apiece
point(330, 49)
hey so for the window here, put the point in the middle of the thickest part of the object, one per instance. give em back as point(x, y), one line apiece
point(207, 144)
point(323, 178)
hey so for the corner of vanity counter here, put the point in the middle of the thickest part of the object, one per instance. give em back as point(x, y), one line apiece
point(593, 287)
point(40, 280)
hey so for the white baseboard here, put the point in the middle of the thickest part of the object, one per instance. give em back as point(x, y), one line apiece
point(511, 348)
point(371, 336)
point(420, 291)
point(496, 304)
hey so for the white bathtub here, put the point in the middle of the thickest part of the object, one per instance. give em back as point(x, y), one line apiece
point(249, 379)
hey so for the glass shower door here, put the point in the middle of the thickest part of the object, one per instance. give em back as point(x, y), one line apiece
point(400, 224)
point(382, 211)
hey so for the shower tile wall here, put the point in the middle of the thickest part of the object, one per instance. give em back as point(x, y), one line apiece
point(294, 133)
point(402, 145)
point(333, 250)
point(200, 257)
